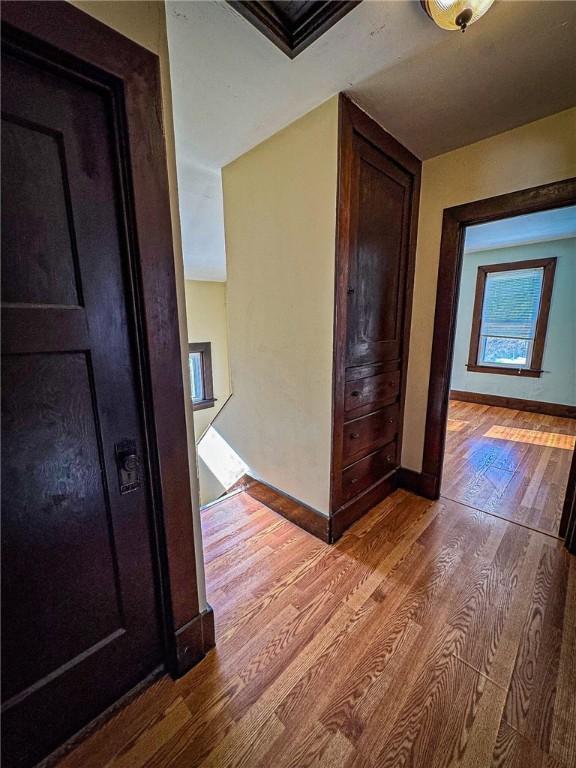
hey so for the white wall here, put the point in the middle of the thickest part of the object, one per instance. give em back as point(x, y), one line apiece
point(534, 154)
point(558, 383)
point(280, 220)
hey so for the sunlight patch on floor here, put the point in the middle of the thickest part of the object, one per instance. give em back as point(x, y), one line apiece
point(532, 436)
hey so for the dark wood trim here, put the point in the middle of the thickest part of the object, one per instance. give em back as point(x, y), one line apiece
point(521, 372)
point(416, 482)
point(200, 405)
point(515, 403)
point(567, 529)
point(205, 349)
point(349, 513)
point(293, 29)
point(535, 369)
point(296, 511)
point(544, 313)
point(330, 529)
point(353, 121)
point(76, 41)
point(194, 640)
point(454, 222)
point(326, 528)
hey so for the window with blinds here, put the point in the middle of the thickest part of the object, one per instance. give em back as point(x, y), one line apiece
point(201, 381)
point(509, 317)
point(196, 376)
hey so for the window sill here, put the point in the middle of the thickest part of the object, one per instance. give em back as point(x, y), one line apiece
point(506, 371)
point(201, 404)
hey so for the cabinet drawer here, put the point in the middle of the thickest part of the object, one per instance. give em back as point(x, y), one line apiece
point(365, 472)
point(373, 391)
point(364, 435)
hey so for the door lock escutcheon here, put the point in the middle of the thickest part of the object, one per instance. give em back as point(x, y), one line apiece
point(128, 466)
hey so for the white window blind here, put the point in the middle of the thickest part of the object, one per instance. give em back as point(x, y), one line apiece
point(509, 316)
point(196, 379)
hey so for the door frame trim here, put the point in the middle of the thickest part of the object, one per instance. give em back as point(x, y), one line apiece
point(455, 220)
point(568, 520)
point(72, 38)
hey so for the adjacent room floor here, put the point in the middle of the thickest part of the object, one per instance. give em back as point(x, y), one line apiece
point(432, 634)
point(509, 463)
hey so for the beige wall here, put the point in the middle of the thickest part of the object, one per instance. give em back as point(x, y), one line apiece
point(207, 321)
point(206, 313)
point(145, 23)
point(537, 153)
point(280, 214)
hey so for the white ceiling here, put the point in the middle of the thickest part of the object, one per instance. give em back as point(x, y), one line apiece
point(433, 90)
point(538, 227)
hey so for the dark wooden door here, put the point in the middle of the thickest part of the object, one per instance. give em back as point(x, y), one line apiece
point(80, 620)
point(381, 199)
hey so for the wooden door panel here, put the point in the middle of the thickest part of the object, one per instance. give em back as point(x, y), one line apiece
point(79, 603)
point(54, 480)
point(38, 258)
point(378, 258)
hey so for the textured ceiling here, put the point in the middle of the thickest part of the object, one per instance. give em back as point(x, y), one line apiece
point(543, 226)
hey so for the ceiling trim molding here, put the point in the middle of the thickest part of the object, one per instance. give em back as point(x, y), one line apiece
point(292, 27)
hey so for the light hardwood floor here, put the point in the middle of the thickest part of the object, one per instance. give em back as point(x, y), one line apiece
point(509, 463)
point(431, 635)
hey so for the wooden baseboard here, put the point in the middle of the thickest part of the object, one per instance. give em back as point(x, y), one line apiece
point(515, 403)
point(193, 641)
point(344, 517)
point(298, 513)
point(330, 529)
point(420, 483)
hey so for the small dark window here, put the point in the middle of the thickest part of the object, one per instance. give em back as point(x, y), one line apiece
point(510, 317)
point(201, 386)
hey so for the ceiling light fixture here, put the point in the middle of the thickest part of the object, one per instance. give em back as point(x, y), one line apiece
point(455, 14)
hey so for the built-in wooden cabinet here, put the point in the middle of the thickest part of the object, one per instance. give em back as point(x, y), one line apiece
point(378, 192)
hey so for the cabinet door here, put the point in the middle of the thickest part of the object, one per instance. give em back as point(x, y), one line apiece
point(378, 190)
point(379, 238)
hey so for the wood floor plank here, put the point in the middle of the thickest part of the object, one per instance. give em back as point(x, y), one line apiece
point(563, 735)
point(433, 727)
point(127, 726)
point(532, 691)
point(512, 750)
point(432, 634)
point(509, 463)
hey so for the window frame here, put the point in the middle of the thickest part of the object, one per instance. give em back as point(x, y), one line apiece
point(535, 368)
point(205, 350)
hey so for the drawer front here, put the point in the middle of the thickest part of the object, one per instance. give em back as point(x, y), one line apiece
point(368, 433)
point(363, 473)
point(373, 391)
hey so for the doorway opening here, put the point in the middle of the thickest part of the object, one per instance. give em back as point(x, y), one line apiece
point(501, 423)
